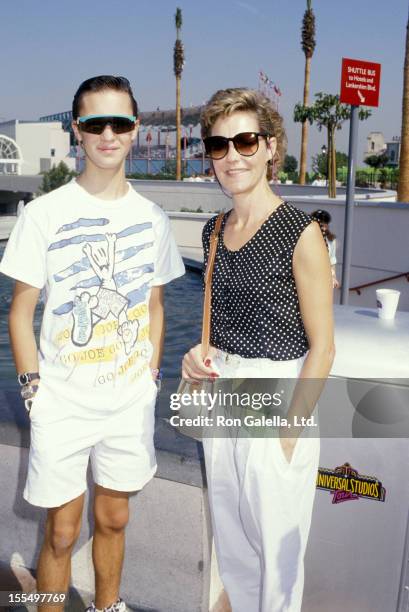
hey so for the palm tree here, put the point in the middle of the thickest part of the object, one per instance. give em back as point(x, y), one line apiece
point(178, 62)
point(403, 185)
point(328, 112)
point(308, 46)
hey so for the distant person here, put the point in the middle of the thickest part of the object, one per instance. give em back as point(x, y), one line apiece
point(271, 317)
point(103, 252)
point(324, 219)
point(20, 207)
point(319, 181)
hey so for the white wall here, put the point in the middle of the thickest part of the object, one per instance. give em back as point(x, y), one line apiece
point(379, 143)
point(36, 141)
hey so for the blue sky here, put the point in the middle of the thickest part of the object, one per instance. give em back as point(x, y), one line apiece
point(48, 48)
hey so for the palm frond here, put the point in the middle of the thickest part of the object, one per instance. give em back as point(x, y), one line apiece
point(308, 33)
point(178, 19)
point(178, 58)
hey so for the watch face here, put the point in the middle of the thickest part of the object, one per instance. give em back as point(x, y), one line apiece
point(27, 392)
point(23, 379)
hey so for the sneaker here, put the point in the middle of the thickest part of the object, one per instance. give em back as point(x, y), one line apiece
point(118, 606)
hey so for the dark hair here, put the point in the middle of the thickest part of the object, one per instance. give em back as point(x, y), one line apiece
point(323, 216)
point(99, 83)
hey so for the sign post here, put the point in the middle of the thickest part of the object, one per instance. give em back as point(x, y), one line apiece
point(359, 86)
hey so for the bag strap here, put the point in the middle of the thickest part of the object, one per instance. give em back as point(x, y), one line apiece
point(207, 305)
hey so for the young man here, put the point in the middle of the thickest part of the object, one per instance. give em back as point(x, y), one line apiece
point(102, 253)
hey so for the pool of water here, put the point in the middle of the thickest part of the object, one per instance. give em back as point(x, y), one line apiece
point(183, 306)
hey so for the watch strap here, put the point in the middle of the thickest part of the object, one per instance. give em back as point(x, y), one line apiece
point(27, 377)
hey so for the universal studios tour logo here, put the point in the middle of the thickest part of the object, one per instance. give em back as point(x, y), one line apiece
point(344, 483)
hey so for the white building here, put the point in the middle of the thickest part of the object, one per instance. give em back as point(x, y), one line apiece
point(375, 144)
point(393, 150)
point(41, 146)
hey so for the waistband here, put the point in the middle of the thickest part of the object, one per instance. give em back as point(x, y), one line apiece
point(237, 360)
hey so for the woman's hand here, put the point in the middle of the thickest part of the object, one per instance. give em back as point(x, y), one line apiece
point(287, 446)
point(196, 368)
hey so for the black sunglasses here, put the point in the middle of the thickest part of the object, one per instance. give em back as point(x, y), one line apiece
point(245, 143)
point(96, 124)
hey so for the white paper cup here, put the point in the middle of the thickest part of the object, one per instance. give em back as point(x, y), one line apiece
point(387, 302)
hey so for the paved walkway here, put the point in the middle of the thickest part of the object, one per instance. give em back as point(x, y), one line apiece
point(9, 582)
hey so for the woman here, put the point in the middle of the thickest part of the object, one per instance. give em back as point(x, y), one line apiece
point(271, 317)
point(324, 219)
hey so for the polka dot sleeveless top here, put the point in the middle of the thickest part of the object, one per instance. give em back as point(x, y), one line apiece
point(255, 309)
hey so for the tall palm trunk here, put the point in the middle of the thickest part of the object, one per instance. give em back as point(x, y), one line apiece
point(332, 163)
point(178, 133)
point(304, 129)
point(308, 46)
point(328, 160)
point(334, 167)
point(403, 186)
point(178, 62)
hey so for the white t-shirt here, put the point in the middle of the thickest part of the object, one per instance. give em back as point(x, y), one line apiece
point(96, 261)
point(332, 251)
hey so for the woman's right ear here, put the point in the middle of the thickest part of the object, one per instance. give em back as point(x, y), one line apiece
point(272, 146)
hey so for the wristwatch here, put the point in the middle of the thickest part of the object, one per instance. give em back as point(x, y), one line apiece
point(28, 391)
point(27, 377)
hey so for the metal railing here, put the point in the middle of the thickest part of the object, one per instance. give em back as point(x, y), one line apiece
point(371, 177)
point(381, 280)
point(157, 166)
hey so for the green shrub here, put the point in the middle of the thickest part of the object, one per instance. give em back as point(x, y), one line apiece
point(56, 177)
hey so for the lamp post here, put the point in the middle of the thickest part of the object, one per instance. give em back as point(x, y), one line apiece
point(324, 152)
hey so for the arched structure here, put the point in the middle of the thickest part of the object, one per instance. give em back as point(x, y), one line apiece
point(10, 156)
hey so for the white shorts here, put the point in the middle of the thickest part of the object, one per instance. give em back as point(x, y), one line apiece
point(64, 436)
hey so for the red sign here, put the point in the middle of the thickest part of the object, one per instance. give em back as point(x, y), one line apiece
point(360, 82)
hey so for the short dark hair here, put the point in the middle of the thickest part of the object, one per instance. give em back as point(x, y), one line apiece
point(321, 215)
point(99, 83)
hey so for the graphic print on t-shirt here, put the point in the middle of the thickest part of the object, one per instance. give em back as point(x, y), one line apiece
point(100, 256)
point(95, 261)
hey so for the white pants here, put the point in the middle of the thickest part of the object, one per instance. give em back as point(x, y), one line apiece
point(261, 505)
